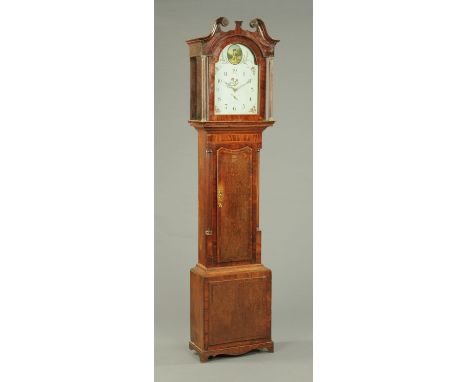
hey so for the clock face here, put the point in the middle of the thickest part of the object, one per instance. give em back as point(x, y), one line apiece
point(236, 81)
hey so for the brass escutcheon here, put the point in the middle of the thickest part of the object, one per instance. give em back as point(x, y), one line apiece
point(220, 197)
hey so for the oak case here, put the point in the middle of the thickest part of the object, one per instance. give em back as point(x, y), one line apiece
point(230, 290)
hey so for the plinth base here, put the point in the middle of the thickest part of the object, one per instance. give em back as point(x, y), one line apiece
point(230, 310)
point(234, 350)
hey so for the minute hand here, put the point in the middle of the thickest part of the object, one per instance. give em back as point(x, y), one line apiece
point(245, 83)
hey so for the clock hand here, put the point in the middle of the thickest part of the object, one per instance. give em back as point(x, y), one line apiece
point(245, 83)
point(229, 85)
point(232, 84)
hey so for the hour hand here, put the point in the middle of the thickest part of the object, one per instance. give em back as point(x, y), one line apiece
point(245, 83)
point(230, 85)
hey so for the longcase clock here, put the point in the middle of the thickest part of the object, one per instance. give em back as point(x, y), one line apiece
point(230, 106)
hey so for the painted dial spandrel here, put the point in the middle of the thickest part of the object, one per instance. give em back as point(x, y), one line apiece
point(236, 81)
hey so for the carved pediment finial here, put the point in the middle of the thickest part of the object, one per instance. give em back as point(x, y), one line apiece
point(220, 21)
point(260, 28)
point(223, 21)
point(253, 23)
point(238, 26)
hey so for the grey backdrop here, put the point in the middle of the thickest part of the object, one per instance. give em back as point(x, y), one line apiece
point(285, 200)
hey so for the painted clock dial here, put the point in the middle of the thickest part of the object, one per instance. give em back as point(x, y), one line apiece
point(236, 81)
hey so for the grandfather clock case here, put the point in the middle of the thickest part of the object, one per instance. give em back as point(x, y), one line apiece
point(230, 106)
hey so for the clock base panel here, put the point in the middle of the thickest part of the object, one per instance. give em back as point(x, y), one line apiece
point(230, 310)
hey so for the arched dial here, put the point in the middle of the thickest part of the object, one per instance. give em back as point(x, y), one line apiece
point(236, 81)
